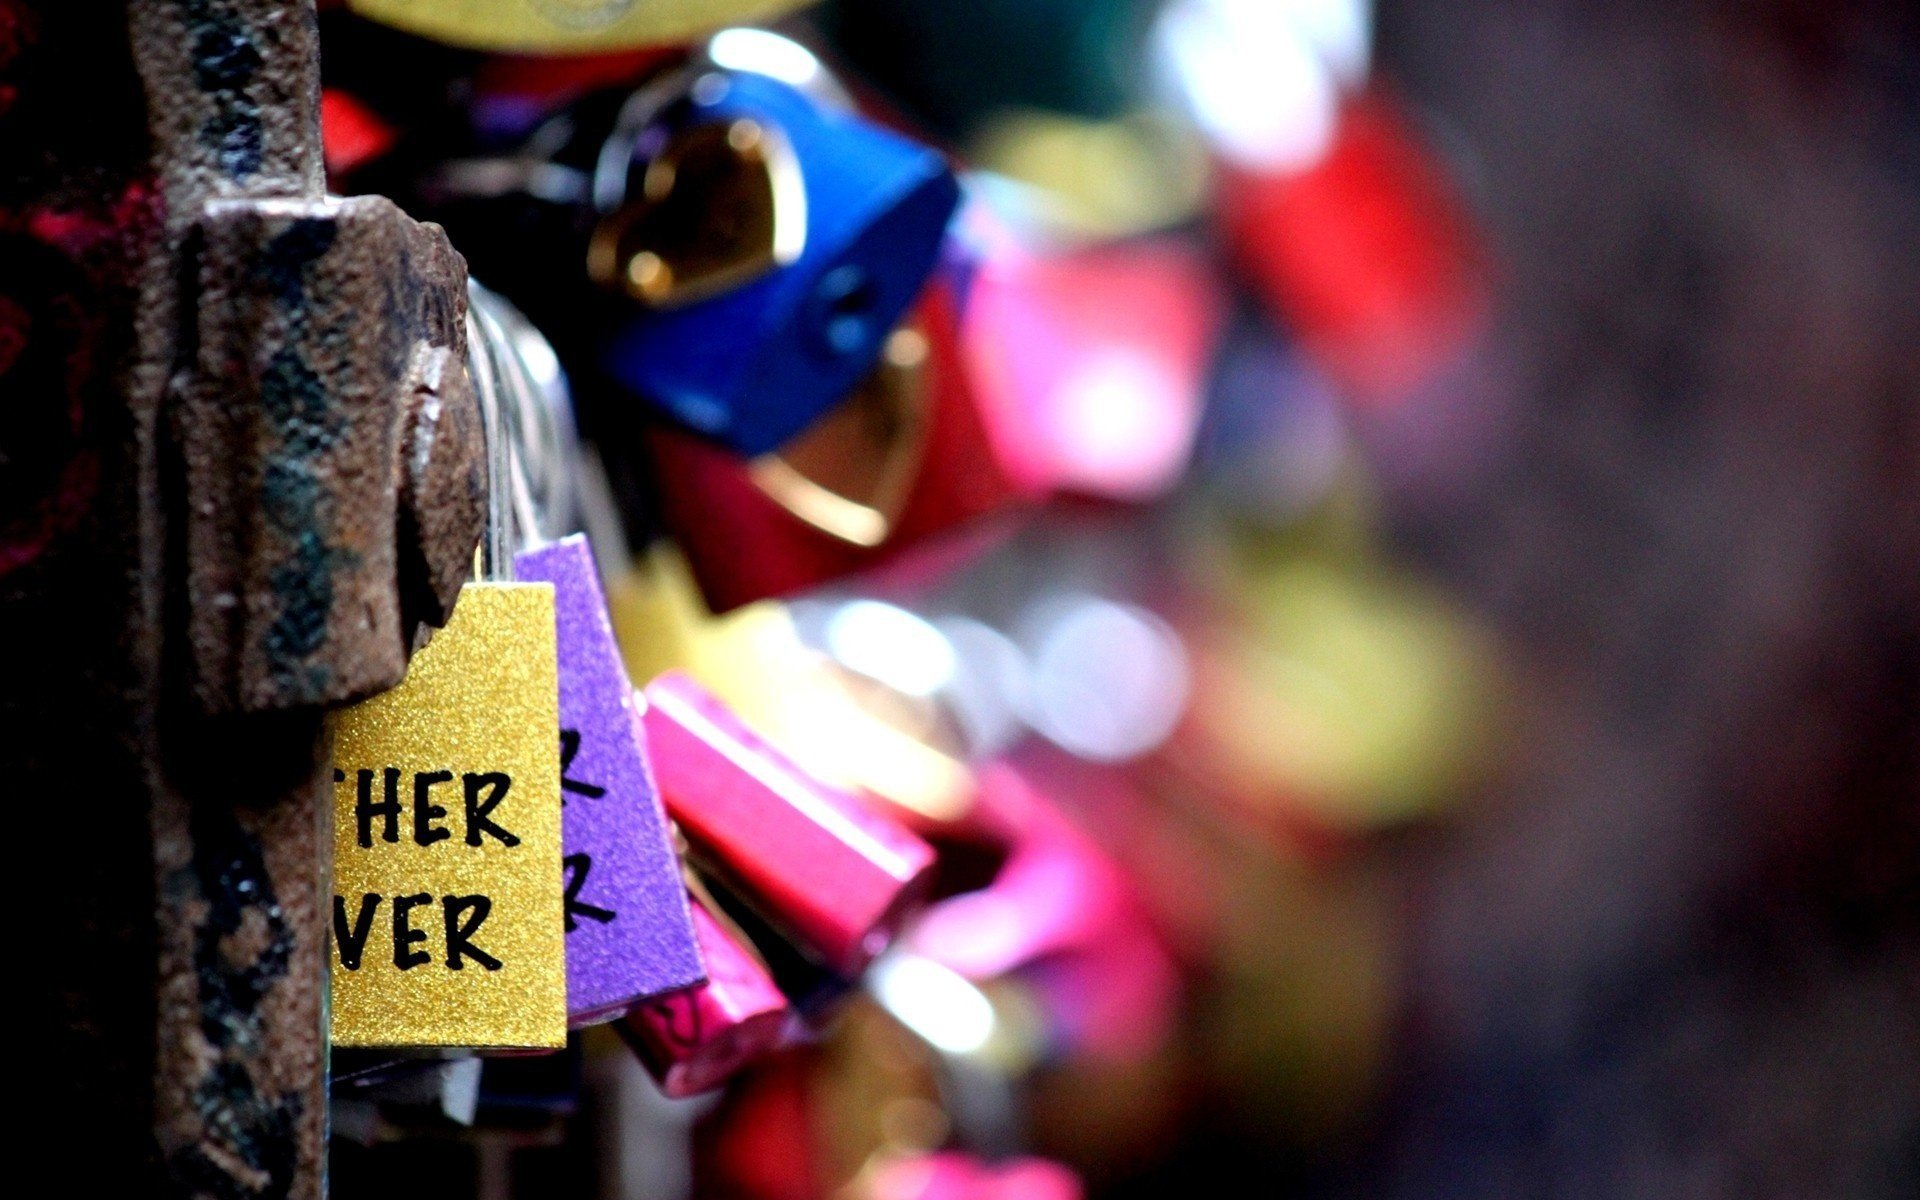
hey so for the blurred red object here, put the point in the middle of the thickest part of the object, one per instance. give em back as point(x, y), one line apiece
point(696, 1040)
point(760, 1144)
point(65, 269)
point(1092, 365)
point(558, 78)
point(745, 542)
point(1366, 255)
point(834, 874)
point(351, 134)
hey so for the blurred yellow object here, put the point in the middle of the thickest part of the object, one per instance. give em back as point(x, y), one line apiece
point(1098, 179)
point(657, 612)
point(787, 692)
point(566, 25)
point(1296, 1020)
point(876, 1092)
point(1294, 977)
point(1343, 691)
point(824, 727)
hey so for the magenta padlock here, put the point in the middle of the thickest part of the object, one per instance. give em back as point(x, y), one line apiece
point(695, 1040)
point(955, 1175)
point(836, 876)
point(629, 932)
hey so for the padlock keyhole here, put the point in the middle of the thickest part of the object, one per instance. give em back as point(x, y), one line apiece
point(845, 301)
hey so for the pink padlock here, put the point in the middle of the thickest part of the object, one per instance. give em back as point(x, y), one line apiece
point(695, 1040)
point(836, 876)
point(952, 1175)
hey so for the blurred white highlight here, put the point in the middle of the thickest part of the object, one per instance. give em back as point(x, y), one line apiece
point(1109, 681)
point(891, 645)
point(1263, 78)
point(764, 53)
point(939, 1005)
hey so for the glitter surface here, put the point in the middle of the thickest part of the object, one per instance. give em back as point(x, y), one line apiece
point(629, 933)
point(479, 703)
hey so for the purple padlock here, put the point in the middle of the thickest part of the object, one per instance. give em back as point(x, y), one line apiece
point(629, 933)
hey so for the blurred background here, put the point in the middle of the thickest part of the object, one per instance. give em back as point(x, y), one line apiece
point(1427, 699)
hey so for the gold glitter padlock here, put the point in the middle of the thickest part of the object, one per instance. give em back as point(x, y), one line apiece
point(447, 907)
point(566, 25)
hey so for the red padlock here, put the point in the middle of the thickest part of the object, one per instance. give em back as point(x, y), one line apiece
point(905, 459)
point(1365, 253)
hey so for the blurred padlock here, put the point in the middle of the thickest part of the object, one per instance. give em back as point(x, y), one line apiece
point(565, 25)
point(629, 935)
point(904, 458)
point(1056, 892)
point(954, 1175)
point(1091, 364)
point(775, 244)
point(834, 876)
point(1066, 918)
point(1077, 180)
point(1330, 700)
point(1340, 215)
point(1367, 254)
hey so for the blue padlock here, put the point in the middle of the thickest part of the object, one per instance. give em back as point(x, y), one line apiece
point(757, 363)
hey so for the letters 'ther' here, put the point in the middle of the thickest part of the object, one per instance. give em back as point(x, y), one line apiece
point(447, 898)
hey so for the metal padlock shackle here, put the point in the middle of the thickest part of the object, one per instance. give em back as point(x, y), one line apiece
point(747, 50)
point(528, 170)
point(621, 155)
point(532, 449)
point(754, 51)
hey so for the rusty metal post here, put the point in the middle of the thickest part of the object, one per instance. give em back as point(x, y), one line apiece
point(242, 468)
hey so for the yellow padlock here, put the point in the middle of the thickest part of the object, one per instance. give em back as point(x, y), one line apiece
point(448, 927)
point(566, 25)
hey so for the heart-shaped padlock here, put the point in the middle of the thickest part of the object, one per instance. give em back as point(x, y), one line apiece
point(751, 364)
point(906, 460)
